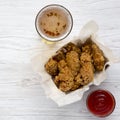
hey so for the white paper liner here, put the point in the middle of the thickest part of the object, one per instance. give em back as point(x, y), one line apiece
point(48, 51)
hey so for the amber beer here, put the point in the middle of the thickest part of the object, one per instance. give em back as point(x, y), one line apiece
point(54, 23)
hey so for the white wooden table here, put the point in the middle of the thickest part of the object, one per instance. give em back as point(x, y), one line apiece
point(21, 96)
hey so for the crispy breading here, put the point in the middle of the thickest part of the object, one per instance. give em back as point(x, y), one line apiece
point(86, 46)
point(85, 57)
point(77, 82)
point(86, 49)
point(98, 58)
point(51, 67)
point(72, 59)
point(86, 73)
point(65, 79)
point(61, 65)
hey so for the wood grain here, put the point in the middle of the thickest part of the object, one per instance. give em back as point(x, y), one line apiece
point(21, 96)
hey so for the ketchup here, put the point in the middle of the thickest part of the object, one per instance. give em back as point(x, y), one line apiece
point(101, 103)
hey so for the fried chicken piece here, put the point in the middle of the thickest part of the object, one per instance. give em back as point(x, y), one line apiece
point(84, 77)
point(61, 65)
point(64, 80)
point(97, 54)
point(77, 82)
point(98, 58)
point(72, 59)
point(87, 69)
point(51, 67)
point(86, 73)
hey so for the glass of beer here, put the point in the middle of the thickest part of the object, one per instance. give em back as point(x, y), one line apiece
point(53, 23)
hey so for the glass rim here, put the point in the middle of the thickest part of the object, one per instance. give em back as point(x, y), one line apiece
point(62, 36)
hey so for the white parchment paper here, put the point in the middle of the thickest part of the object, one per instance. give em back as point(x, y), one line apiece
point(38, 62)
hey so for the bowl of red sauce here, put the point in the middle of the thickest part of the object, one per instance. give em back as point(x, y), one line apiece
point(101, 103)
